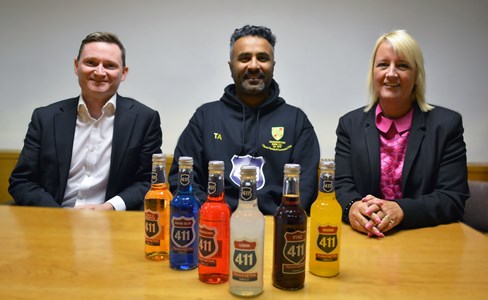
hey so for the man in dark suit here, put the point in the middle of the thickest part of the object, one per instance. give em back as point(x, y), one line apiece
point(93, 151)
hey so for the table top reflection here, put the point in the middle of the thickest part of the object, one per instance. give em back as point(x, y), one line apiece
point(50, 253)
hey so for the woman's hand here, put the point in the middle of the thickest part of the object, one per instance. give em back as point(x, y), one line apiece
point(389, 215)
point(363, 218)
point(375, 216)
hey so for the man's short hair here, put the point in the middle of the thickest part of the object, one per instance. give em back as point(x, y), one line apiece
point(106, 37)
point(252, 30)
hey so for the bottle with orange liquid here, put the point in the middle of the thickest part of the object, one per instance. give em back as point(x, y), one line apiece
point(325, 225)
point(156, 211)
point(214, 229)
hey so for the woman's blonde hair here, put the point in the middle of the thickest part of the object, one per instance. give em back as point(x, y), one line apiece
point(405, 45)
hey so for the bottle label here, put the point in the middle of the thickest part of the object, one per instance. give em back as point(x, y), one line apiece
point(153, 228)
point(327, 241)
point(244, 259)
point(327, 183)
point(215, 186)
point(294, 252)
point(185, 179)
point(247, 193)
point(208, 246)
point(182, 234)
point(158, 175)
point(248, 160)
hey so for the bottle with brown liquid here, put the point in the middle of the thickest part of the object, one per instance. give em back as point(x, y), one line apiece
point(156, 211)
point(290, 234)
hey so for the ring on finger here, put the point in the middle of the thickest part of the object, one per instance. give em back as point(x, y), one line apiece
point(390, 221)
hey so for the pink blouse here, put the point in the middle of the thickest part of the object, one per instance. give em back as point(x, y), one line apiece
point(393, 145)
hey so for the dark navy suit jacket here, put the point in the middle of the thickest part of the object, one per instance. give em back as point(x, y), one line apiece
point(41, 174)
point(434, 176)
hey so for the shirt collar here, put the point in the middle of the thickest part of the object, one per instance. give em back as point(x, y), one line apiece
point(383, 123)
point(107, 110)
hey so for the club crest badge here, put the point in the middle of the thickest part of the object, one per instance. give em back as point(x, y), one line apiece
point(279, 140)
point(277, 132)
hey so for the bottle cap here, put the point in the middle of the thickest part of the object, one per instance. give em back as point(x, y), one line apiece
point(327, 164)
point(215, 165)
point(291, 168)
point(158, 157)
point(187, 160)
point(248, 170)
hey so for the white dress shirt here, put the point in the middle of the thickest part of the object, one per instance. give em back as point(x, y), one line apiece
point(90, 159)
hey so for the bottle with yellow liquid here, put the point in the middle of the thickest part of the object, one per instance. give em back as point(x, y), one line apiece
point(325, 225)
point(156, 211)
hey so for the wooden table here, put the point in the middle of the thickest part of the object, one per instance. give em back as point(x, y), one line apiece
point(48, 253)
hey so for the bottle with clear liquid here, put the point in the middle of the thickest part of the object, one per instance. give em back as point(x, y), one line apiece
point(247, 239)
point(156, 211)
point(184, 208)
point(290, 234)
point(325, 225)
point(214, 229)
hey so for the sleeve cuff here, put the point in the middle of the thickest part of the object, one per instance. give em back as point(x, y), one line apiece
point(118, 203)
point(345, 212)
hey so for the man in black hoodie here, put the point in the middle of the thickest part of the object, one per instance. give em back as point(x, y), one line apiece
point(251, 125)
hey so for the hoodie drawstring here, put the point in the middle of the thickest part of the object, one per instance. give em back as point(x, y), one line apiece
point(243, 132)
point(257, 135)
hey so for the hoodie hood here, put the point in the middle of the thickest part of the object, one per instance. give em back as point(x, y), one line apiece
point(273, 101)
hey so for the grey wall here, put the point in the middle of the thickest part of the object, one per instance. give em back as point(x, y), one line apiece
point(178, 53)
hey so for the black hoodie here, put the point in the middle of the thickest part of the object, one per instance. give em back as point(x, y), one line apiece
point(275, 133)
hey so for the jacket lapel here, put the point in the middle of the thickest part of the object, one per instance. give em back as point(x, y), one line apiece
point(124, 122)
point(372, 137)
point(64, 133)
point(415, 138)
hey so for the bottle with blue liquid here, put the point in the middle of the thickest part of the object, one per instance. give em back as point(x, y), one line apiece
point(184, 220)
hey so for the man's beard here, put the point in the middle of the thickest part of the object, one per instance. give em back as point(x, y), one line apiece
point(253, 89)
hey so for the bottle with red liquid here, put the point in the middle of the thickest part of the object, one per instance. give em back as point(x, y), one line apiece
point(214, 229)
point(290, 234)
point(156, 211)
